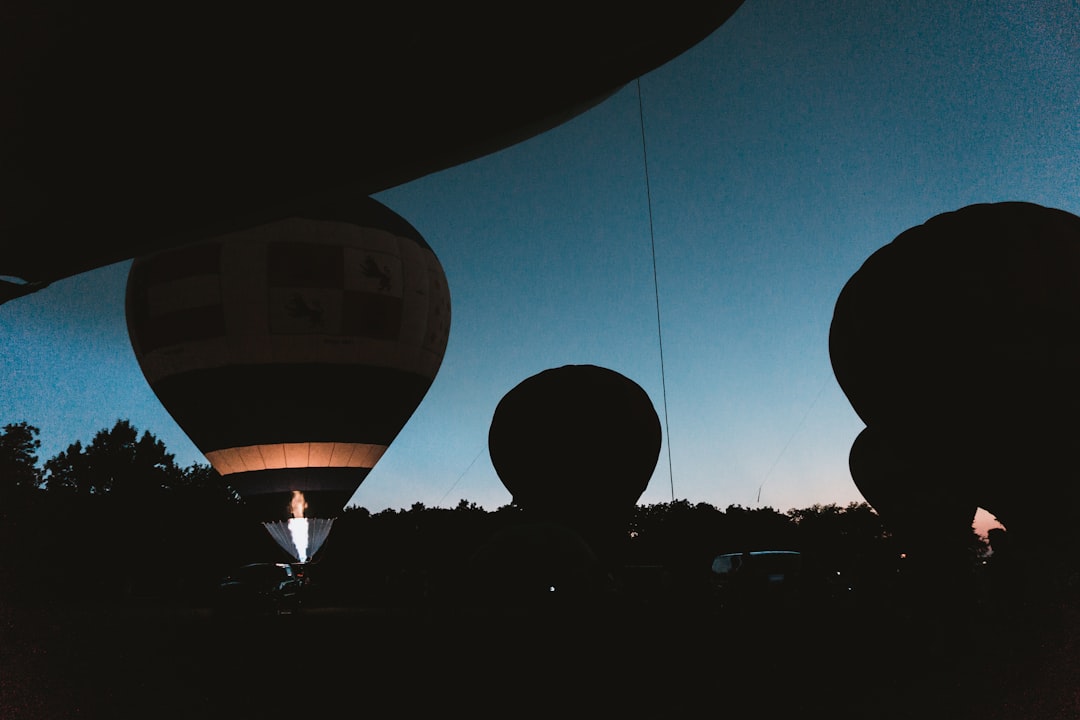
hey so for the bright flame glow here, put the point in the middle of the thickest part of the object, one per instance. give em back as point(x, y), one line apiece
point(314, 532)
point(298, 525)
point(298, 504)
point(298, 528)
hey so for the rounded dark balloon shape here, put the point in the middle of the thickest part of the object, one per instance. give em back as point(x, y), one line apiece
point(227, 115)
point(876, 472)
point(292, 353)
point(577, 436)
point(969, 325)
point(958, 344)
point(909, 489)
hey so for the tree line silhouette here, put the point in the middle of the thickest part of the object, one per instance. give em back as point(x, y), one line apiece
point(113, 553)
point(117, 520)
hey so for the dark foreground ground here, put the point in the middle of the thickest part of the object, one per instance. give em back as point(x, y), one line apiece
point(159, 662)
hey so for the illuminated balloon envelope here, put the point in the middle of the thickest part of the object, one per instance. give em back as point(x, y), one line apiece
point(293, 353)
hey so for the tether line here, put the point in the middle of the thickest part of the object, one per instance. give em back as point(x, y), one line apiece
point(792, 437)
point(451, 488)
point(656, 286)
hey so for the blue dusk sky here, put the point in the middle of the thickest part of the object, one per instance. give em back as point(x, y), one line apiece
point(782, 151)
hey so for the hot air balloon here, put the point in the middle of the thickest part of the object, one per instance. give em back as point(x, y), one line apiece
point(958, 344)
point(218, 116)
point(293, 353)
point(576, 445)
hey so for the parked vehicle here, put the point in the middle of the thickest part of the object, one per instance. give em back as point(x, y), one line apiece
point(261, 588)
point(761, 576)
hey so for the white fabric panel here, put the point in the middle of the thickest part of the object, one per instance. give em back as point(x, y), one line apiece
point(305, 311)
point(384, 279)
point(413, 321)
point(375, 239)
point(437, 316)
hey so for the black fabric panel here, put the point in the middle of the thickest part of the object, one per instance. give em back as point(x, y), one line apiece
point(305, 264)
point(371, 315)
point(285, 480)
point(175, 328)
point(203, 147)
point(242, 405)
point(150, 333)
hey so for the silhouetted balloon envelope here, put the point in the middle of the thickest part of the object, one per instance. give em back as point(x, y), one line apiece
point(906, 489)
point(878, 476)
point(294, 352)
point(968, 323)
point(959, 342)
point(578, 438)
point(227, 115)
point(967, 326)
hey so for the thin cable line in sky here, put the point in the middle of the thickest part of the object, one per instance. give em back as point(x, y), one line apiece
point(463, 472)
point(792, 437)
point(656, 287)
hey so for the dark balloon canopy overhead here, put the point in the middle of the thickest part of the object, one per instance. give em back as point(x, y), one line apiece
point(958, 344)
point(137, 126)
point(577, 439)
point(294, 352)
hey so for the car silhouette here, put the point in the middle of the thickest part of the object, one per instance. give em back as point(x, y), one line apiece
point(260, 588)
